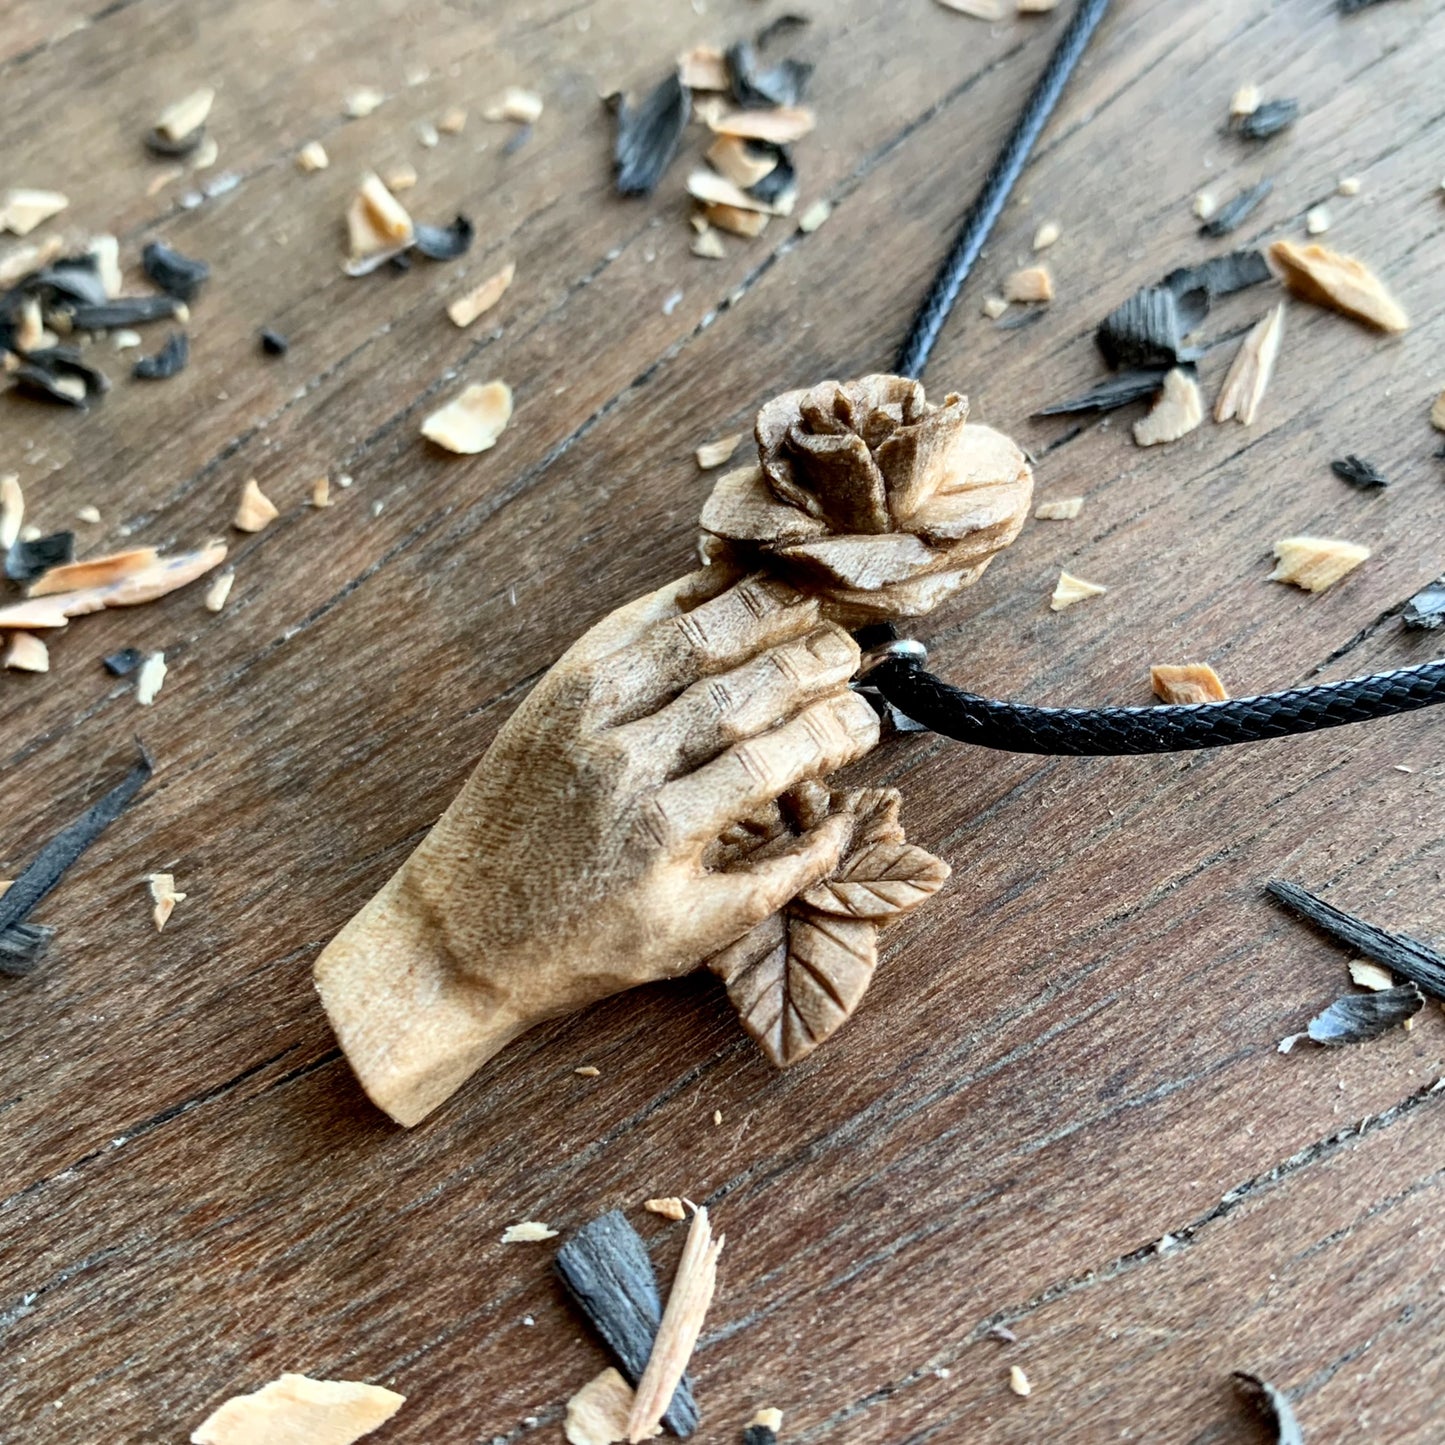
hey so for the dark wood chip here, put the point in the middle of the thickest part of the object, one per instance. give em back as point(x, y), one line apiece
point(1221, 275)
point(648, 136)
point(1400, 953)
point(783, 24)
point(1350, 7)
point(1117, 391)
point(778, 181)
point(519, 137)
point(273, 343)
point(1234, 213)
point(43, 373)
point(759, 1435)
point(124, 662)
point(444, 243)
point(1268, 119)
point(123, 311)
point(25, 561)
point(1358, 472)
point(1148, 330)
point(176, 274)
point(1359, 1017)
point(164, 145)
point(756, 88)
point(171, 358)
point(1272, 1404)
point(606, 1270)
point(51, 863)
point(72, 278)
point(1425, 611)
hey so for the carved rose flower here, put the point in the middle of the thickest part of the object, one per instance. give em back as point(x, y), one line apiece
point(869, 494)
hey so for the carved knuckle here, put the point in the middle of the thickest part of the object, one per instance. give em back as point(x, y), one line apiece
point(784, 662)
point(656, 824)
point(756, 766)
point(693, 632)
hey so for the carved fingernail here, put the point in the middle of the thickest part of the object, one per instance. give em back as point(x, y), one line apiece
point(831, 648)
point(857, 717)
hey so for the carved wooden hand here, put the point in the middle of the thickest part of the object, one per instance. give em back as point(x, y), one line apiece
point(572, 865)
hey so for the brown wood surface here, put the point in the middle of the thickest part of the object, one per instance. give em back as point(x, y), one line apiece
point(1067, 1057)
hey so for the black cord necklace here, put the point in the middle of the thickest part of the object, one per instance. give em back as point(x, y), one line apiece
point(897, 673)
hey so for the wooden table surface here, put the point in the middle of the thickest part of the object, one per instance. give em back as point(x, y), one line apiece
point(1060, 1106)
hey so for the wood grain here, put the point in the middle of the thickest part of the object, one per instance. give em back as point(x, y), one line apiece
point(1066, 1057)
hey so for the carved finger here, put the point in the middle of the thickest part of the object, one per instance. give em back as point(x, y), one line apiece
point(724, 709)
point(749, 617)
point(826, 735)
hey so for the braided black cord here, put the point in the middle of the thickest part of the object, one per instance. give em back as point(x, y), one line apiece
point(1002, 175)
point(1111, 731)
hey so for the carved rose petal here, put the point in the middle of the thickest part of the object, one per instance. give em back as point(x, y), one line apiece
point(916, 460)
point(744, 507)
point(864, 563)
point(840, 471)
point(986, 488)
point(915, 598)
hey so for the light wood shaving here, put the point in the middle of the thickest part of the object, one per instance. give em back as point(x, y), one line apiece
point(1037, 7)
point(207, 154)
point(219, 591)
point(709, 187)
point(1328, 278)
point(1046, 235)
point(20, 261)
point(400, 178)
point(454, 120)
point(598, 1413)
point(717, 1116)
point(979, 9)
point(105, 249)
point(1244, 101)
point(97, 572)
point(187, 115)
point(1062, 509)
point(1349, 186)
point(529, 1231)
point(714, 454)
point(12, 509)
point(736, 221)
point(1032, 283)
point(523, 106)
point(1070, 589)
point(5, 886)
point(377, 226)
point(1179, 409)
point(1437, 416)
point(670, 1207)
point(255, 511)
point(782, 124)
point(708, 244)
point(814, 216)
point(296, 1410)
point(27, 653)
point(1250, 371)
point(737, 162)
point(1315, 563)
point(1370, 975)
point(23, 210)
point(150, 678)
point(164, 896)
point(587, 1071)
point(162, 179)
point(125, 339)
point(1191, 682)
point(1018, 1382)
point(321, 492)
point(88, 514)
point(994, 307)
point(473, 421)
point(769, 1418)
point(362, 101)
point(1317, 220)
point(704, 67)
point(482, 297)
point(1206, 203)
point(312, 157)
point(687, 1306)
point(427, 134)
point(30, 333)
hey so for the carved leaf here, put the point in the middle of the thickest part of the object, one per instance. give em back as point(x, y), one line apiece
point(879, 880)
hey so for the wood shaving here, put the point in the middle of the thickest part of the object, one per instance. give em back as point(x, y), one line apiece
point(708, 244)
point(704, 67)
point(377, 226)
point(1178, 411)
point(1192, 682)
point(27, 653)
point(523, 106)
point(164, 896)
point(588, 1071)
point(312, 157)
point(97, 572)
point(1349, 186)
point(20, 261)
point(598, 1413)
point(994, 307)
point(709, 187)
point(362, 101)
point(255, 511)
point(781, 125)
point(738, 162)
point(321, 492)
point(124, 339)
point(150, 678)
point(717, 1116)
point(90, 515)
point(185, 116)
point(1315, 563)
point(296, 1410)
point(1437, 417)
point(23, 210)
point(427, 134)
point(105, 250)
point(768, 1419)
point(482, 297)
point(814, 216)
point(219, 591)
point(1063, 509)
point(529, 1231)
point(162, 179)
point(473, 421)
point(454, 121)
point(1032, 283)
point(1070, 589)
point(12, 509)
point(1046, 235)
point(206, 155)
point(30, 334)
point(687, 1306)
point(735, 221)
point(1328, 278)
point(670, 1207)
point(1018, 1381)
point(1244, 101)
point(400, 178)
point(1206, 203)
point(1250, 371)
point(714, 454)
point(979, 9)
point(1317, 220)
point(1037, 7)
point(1370, 975)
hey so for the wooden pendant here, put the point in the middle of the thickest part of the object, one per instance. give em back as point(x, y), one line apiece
point(654, 804)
